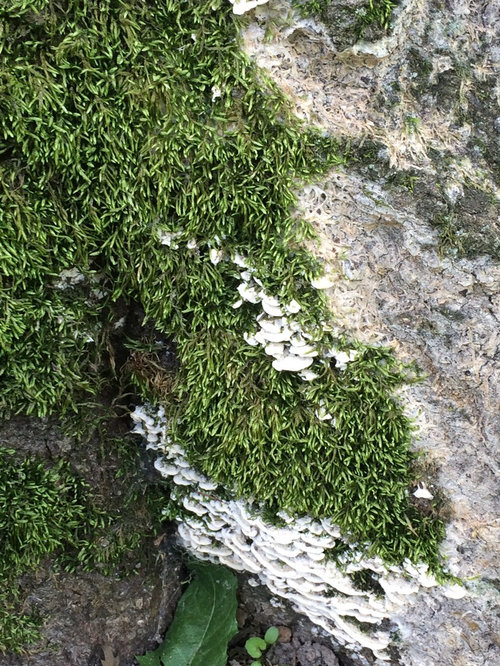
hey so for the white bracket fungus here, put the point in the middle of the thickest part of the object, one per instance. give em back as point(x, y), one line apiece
point(422, 492)
point(323, 282)
point(291, 560)
point(243, 6)
point(216, 256)
point(276, 321)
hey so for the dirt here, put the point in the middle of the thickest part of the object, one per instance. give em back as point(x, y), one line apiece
point(88, 614)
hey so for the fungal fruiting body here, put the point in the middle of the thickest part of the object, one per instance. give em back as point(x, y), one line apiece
point(243, 6)
point(292, 559)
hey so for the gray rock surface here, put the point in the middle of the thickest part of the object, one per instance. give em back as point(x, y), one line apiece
point(412, 231)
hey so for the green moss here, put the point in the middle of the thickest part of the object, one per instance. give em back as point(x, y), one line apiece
point(110, 135)
point(374, 12)
point(405, 179)
point(379, 12)
point(48, 511)
point(236, 415)
point(43, 511)
point(367, 581)
point(338, 552)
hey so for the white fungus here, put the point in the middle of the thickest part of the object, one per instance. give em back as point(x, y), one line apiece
point(323, 282)
point(243, 6)
point(248, 293)
point(216, 93)
point(168, 238)
point(423, 493)
point(291, 363)
point(216, 256)
point(290, 560)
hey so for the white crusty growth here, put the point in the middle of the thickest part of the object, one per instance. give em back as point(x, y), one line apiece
point(280, 334)
point(291, 559)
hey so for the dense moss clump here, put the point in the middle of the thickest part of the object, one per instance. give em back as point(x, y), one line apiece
point(376, 13)
point(120, 121)
point(44, 511)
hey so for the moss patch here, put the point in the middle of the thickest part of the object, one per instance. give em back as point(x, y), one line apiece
point(469, 228)
point(94, 512)
point(122, 121)
point(42, 510)
point(368, 20)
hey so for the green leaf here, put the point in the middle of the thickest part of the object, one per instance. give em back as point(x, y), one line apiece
point(256, 663)
point(204, 622)
point(255, 645)
point(150, 659)
point(271, 635)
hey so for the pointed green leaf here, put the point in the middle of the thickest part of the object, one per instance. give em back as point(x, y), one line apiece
point(204, 622)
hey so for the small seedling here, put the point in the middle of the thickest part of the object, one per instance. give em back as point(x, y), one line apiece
point(256, 646)
point(412, 123)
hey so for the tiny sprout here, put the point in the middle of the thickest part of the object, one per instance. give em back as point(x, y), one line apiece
point(271, 635)
point(255, 646)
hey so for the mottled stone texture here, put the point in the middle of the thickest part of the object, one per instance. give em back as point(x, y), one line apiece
point(412, 230)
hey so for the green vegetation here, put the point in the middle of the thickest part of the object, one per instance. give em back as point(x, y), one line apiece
point(44, 511)
point(367, 581)
point(412, 123)
point(379, 12)
point(375, 12)
point(107, 135)
point(204, 622)
point(256, 646)
point(120, 121)
point(236, 415)
point(48, 511)
point(469, 228)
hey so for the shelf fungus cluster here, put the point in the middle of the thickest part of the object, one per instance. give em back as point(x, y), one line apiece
point(292, 348)
point(283, 338)
point(293, 559)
